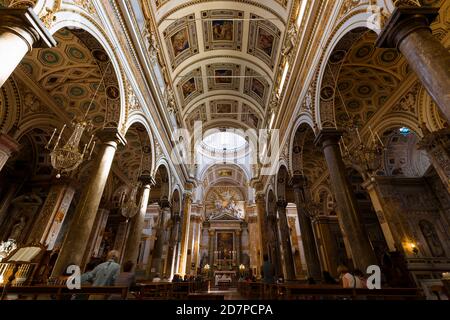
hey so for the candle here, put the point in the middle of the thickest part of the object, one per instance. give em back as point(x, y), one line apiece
point(343, 143)
point(59, 138)
point(90, 141)
point(371, 133)
point(51, 138)
point(84, 149)
point(382, 144)
point(359, 136)
point(92, 149)
point(340, 148)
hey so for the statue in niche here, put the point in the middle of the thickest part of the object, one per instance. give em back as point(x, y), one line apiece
point(432, 238)
point(17, 229)
point(204, 260)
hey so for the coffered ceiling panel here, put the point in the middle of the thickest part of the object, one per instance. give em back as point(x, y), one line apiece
point(222, 55)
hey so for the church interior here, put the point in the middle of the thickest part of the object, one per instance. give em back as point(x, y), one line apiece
point(225, 149)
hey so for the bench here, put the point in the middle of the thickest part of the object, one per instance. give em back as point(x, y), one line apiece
point(60, 292)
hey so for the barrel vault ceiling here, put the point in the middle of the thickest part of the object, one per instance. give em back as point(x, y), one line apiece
point(222, 57)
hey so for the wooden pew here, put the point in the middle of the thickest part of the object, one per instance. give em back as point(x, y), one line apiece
point(60, 292)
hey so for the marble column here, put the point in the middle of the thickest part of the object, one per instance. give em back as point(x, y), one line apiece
point(172, 250)
point(7, 147)
point(378, 205)
point(99, 230)
point(185, 232)
point(76, 241)
point(156, 265)
point(21, 30)
point(5, 203)
point(274, 239)
point(408, 29)
point(262, 223)
point(349, 216)
point(212, 246)
point(306, 230)
point(131, 252)
point(327, 244)
point(437, 146)
point(51, 217)
point(286, 240)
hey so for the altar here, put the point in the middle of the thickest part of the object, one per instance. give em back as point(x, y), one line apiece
point(224, 279)
point(225, 235)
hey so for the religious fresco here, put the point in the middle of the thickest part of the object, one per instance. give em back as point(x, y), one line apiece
point(222, 29)
point(190, 86)
point(224, 109)
point(199, 114)
point(249, 116)
point(223, 76)
point(256, 86)
point(264, 39)
point(181, 40)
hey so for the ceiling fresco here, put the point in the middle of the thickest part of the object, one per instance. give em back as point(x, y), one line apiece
point(71, 73)
point(367, 78)
point(211, 48)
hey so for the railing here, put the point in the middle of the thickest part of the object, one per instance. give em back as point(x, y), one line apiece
point(169, 290)
point(261, 291)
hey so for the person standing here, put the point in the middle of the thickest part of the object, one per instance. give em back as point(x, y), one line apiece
point(106, 273)
point(268, 271)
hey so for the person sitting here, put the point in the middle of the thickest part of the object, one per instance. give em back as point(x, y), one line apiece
point(360, 276)
point(103, 275)
point(106, 273)
point(348, 280)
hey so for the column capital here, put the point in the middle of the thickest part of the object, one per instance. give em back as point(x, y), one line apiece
point(330, 135)
point(164, 203)
point(8, 144)
point(260, 197)
point(187, 197)
point(432, 139)
point(111, 134)
point(27, 20)
point(147, 179)
point(298, 181)
point(403, 21)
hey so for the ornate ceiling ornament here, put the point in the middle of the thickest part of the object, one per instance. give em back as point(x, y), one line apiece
point(132, 100)
point(88, 5)
point(169, 100)
point(407, 3)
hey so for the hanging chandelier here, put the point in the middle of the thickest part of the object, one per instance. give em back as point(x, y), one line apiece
point(368, 158)
point(68, 157)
